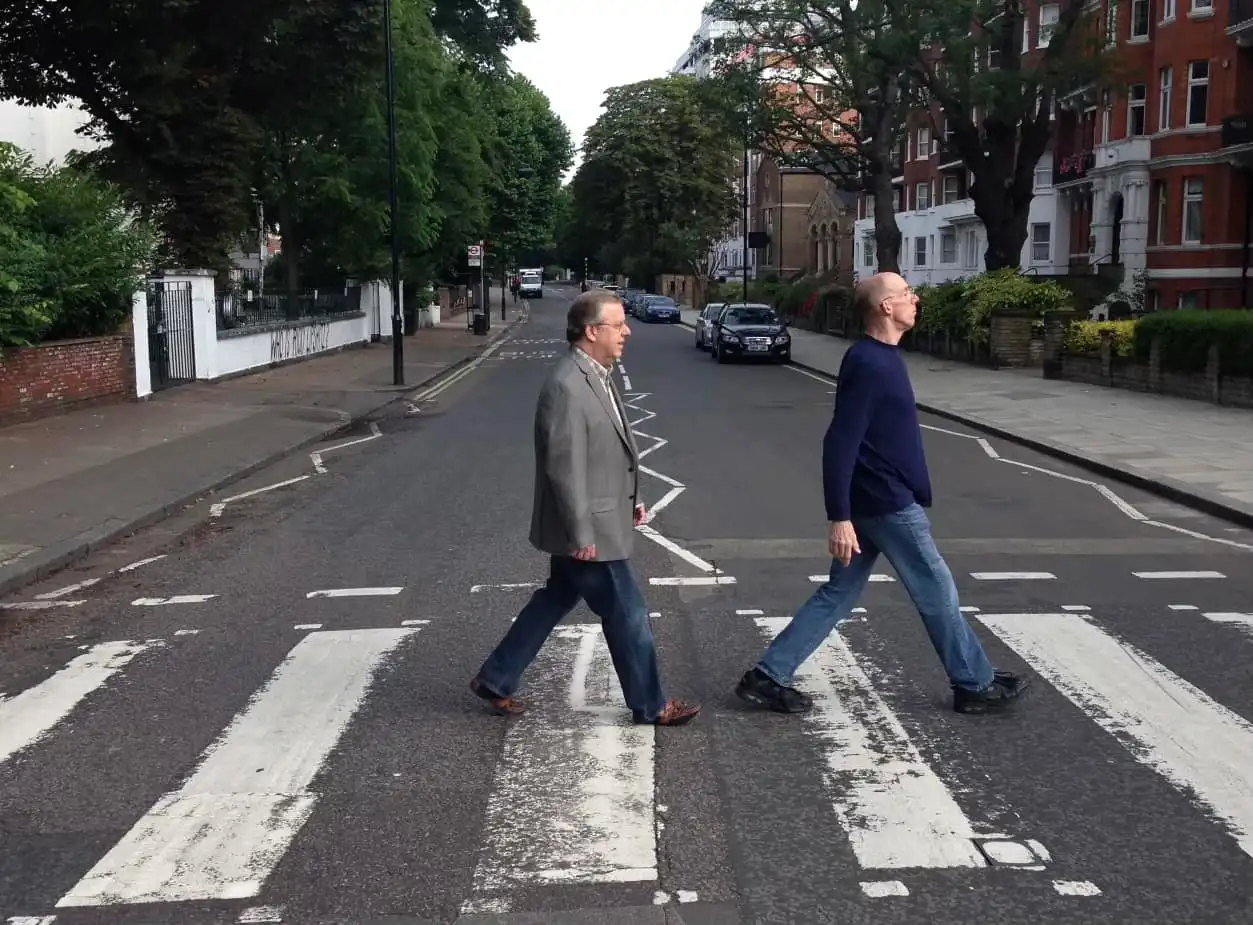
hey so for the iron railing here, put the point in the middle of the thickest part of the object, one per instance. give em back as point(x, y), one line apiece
point(238, 308)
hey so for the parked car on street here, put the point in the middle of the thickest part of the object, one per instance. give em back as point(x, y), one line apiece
point(750, 330)
point(704, 324)
point(658, 308)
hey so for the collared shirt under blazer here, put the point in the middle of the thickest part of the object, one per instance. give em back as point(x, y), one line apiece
point(586, 463)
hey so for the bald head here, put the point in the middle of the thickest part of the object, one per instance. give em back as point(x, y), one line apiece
point(888, 307)
point(872, 290)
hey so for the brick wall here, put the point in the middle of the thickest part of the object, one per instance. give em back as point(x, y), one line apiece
point(35, 381)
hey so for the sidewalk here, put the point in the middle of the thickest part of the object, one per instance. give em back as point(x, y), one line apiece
point(1190, 451)
point(75, 481)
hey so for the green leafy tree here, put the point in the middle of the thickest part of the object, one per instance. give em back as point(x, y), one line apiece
point(655, 190)
point(1000, 102)
point(831, 96)
point(71, 255)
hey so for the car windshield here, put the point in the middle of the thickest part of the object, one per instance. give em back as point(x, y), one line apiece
point(663, 302)
point(750, 316)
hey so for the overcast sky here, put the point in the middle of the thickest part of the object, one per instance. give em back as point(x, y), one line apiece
point(587, 46)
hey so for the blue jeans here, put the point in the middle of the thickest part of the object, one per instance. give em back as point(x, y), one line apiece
point(905, 539)
point(611, 592)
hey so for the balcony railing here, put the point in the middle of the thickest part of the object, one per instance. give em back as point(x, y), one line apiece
point(1237, 131)
point(1071, 167)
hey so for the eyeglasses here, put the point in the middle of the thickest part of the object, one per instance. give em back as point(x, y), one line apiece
point(610, 324)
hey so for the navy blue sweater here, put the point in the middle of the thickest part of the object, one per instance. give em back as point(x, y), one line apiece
point(872, 457)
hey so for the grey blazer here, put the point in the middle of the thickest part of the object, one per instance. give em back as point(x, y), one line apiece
point(586, 466)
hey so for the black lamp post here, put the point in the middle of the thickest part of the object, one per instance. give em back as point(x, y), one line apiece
point(398, 346)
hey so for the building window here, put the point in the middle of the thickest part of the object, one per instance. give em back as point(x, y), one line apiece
point(920, 251)
point(1193, 209)
point(1050, 13)
point(948, 245)
point(1107, 112)
point(1198, 91)
point(1043, 172)
point(1168, 10)
point(922, 196)
point(972, 249)
point(1041, 239)
point(1163, 103)
point(868, 249)
point(1202, 6)
point(1189, 299)
point(868, 207)
point(1139, 19)
point(1026, 33)
point(952, 188)
point(1160, 193)
point(1111, 22)
point(1136, 122)
point(898, 199)
point(924, 143)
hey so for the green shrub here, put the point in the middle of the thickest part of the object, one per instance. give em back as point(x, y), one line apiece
point(1007, 288)
point(71, 256)
point(1083, 338)
point(1186, 336)
point(942, 308)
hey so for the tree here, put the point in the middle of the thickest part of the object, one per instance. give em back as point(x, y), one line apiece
point(829, 87)
point(655, 190)
point(1014, 89)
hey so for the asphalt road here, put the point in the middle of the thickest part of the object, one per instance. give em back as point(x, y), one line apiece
point(270, 722)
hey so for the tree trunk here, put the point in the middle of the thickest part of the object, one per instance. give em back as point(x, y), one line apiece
point(1007, 232)
point(1002, 190)
point(887, 234)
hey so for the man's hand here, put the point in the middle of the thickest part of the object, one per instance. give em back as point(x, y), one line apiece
point(640, 514)
point(842, 541)
point(586, 553)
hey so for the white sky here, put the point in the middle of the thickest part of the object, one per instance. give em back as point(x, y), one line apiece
point(587, 46)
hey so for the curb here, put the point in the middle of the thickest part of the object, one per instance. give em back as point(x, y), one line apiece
point(52, 559)
point(1160, 486)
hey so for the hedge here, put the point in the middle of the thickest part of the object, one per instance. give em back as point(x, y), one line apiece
point(1186, 336)
point(1083, 338)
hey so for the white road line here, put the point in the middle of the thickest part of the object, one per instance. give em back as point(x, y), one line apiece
point(877, 577)
point(176, 599)
point(1200, 536)
point(1183, 607)
point(662, 503)
point(749, 613)
point(1076, 888)
point(1076, 608)
point(219, 835)
point(1171, 575)
point(664, 478)
point(670, 546)
point(1243, 620)
point(215, 510)
point(40, 605)
point(31, 920)
point(896, 810)
point(26, 718)
point(259, 914)
point(1164, 722)
point(693, 580)
point(808, 375)
point(141, 563)
point(355, 592)
point(414, 622)
point(573, 800)
point(307, 626)
point(987, 447)
point(475, 589)
point(69, 589)
point(877, 889)
point(1012, 576)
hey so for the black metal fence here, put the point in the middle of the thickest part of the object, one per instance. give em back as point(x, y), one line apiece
point(171, 338)
point(241, 306)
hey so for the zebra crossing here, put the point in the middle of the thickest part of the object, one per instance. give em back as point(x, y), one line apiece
point(574, 797)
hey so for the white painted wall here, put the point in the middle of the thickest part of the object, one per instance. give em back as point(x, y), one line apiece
point(139, 322)
point(238, 352)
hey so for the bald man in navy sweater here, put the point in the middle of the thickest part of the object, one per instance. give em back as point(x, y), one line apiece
point(875, 482)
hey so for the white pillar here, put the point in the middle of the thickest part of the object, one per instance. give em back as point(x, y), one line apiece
point(139, 327)
point(203, 318)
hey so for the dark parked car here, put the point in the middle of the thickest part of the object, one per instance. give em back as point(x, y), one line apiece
point(658, 308)
point(750, 331)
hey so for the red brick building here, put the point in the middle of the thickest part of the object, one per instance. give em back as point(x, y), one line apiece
point(1156, 173)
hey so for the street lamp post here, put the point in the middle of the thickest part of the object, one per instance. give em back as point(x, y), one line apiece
point(398, 346)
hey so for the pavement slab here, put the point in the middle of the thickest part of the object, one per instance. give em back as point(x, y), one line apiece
point(266, 717)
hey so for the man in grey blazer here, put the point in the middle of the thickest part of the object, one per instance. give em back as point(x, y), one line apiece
point(584, 516)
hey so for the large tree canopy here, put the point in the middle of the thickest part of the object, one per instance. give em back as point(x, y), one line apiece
point(655, 190)
point(213, 112)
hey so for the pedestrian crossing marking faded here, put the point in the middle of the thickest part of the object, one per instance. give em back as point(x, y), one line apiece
point(214, 839)
point(1162, 720)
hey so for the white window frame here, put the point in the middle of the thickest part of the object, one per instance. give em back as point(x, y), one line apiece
point(1147, 13)
point(1043, 178)
point(920, 251)
point(1142, 105)
point(1165, 79)
point(1163, 203)
point(922, 188)
point(1193, 83)
point(948, 245)
point(1194, 208)
point(1202, 6)
point(868, 251)
point(957, 188)
point(1038, 255)
point(1050, 15)
point(924, 142)
point(1168, 10)
point(1111, 23)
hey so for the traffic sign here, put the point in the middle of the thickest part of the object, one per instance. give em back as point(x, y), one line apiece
point(475, 250)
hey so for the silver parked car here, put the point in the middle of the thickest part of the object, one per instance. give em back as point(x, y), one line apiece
point(704, 324)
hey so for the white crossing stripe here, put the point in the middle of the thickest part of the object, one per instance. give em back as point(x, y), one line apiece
point(1204, 749)
point(1012, 576)
point(896, 810)
point(573, 799)
point(877, 577)
point(220, 834)
point(27, 718)
point(176, 599)
point(355, 592)
point(1201, 574)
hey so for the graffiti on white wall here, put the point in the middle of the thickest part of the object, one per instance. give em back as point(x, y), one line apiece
point(289, 343)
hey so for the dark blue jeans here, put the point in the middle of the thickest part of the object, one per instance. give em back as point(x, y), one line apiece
point(904, 538)
point(611, 592)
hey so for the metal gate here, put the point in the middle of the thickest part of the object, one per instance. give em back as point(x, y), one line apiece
point(171, 340)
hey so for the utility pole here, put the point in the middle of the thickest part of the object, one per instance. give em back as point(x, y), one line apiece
point(398, 344)
point(504, 284)
point(744, 260)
